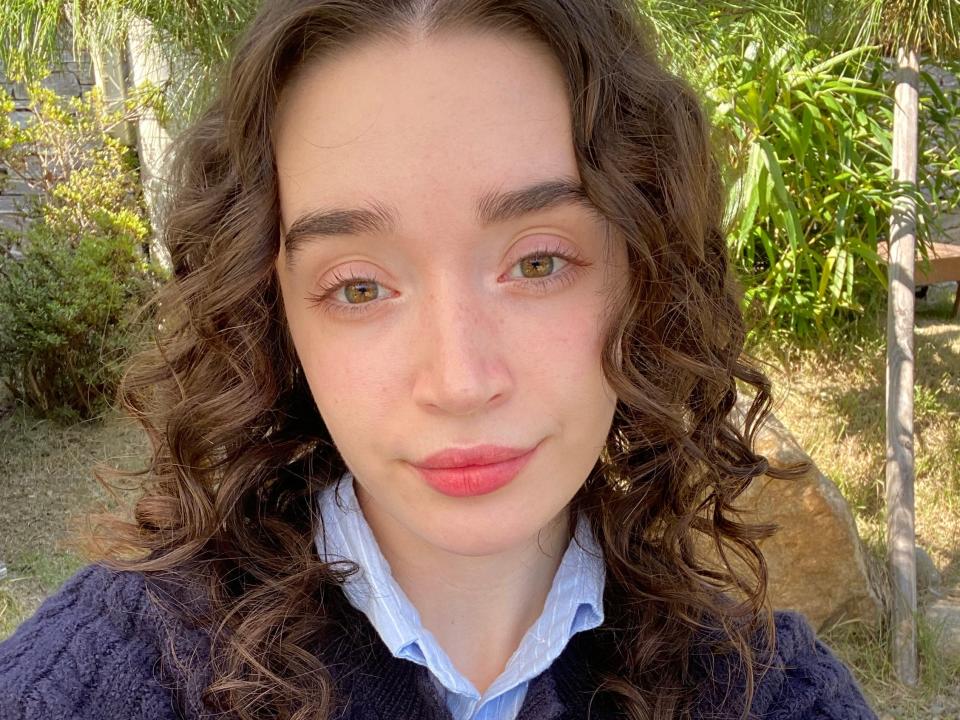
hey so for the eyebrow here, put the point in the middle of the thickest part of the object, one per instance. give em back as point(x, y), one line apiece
point(493, 207)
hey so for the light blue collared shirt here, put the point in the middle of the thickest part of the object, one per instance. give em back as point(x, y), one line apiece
point(574, 604)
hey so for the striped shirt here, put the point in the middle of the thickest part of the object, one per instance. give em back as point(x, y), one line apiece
point(574, 604)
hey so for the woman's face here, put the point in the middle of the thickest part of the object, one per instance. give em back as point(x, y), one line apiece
point(408, 166)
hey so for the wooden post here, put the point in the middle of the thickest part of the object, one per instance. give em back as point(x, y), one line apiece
point(901, 541)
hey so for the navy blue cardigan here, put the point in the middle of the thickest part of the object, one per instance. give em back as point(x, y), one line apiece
point(100, 649)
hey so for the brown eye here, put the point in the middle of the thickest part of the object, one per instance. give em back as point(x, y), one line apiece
point(537, 265)
point(540, 274)
point(358, 294)
point(367, 291)
point(541, 265)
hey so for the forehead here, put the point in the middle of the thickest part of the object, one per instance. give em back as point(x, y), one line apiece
point(426, 125)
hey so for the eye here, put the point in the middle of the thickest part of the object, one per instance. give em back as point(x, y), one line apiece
point(359, 292)
point(540, 265)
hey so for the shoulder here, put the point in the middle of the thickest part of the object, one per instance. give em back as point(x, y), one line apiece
point(804, 680)
point(89, 651)
point(808, 680)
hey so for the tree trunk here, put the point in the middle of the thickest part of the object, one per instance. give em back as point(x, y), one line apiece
point(900, 459)
point(146, 64)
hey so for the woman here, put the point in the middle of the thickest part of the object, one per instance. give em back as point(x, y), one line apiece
point(440, 402)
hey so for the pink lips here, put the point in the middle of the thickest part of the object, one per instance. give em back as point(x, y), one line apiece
point(473, 471)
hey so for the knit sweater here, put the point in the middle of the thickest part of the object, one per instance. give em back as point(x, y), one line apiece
point(100, 649)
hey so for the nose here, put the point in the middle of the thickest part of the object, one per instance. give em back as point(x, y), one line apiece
point(461, 366)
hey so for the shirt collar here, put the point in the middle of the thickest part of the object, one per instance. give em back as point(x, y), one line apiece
point(574, 602)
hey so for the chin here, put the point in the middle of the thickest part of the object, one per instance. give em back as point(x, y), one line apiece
point(491, 534)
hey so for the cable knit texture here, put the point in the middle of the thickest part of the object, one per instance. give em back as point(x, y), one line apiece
point(99, 649)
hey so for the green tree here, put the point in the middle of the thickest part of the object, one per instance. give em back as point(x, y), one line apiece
point(801, 109)
point(194, 36)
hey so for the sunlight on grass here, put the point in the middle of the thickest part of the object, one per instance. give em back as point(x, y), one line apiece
point(50, 570)
point(11, 614)
point(46, 471)
point(833, 401)
point(865, 650)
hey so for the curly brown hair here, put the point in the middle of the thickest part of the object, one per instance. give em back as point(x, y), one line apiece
point(239, 450)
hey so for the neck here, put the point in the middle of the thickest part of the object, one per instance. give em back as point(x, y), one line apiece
point(477, 607)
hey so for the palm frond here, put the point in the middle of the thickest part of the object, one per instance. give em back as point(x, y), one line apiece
point(931, 26)
point(193, 37)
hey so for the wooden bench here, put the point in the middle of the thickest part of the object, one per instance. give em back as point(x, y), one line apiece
point(944, 266)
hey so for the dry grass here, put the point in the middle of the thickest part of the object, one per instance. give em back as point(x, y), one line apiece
point(46, 482)
point(864, 650)
point(833, 402)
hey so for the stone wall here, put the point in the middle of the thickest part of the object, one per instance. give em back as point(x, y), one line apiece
point(72, 78)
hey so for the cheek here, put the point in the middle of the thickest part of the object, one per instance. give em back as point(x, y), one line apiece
point(567, 344)
point(349, 381)
point(336, 370)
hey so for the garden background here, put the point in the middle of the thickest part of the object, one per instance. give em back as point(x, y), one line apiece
point(800, 94)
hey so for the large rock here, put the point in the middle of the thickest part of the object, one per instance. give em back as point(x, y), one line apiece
point(816, 563)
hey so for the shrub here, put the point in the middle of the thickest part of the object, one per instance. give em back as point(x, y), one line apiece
point(74, 279)
point(806, 133)
point(810, 152)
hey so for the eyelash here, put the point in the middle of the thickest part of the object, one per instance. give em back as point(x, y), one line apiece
point(321, 298)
